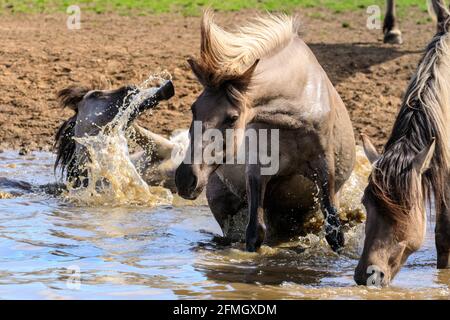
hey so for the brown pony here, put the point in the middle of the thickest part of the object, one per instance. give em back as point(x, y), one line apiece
point(412, 171)
point(264, 77)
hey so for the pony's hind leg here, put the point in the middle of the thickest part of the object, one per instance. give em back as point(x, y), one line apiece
point(392, 33)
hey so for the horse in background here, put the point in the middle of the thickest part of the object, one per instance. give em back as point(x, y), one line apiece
point(411, 172)
point(264, 77)
point(392, 33)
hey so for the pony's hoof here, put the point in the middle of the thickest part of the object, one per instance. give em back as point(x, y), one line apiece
point(254, 241)
point(251, 247)
point(336, 240)
point(393, 37)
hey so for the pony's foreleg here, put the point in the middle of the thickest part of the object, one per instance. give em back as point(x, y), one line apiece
point(224, 205)
point(391, 32)
point(256, 188)
point(153, 143)
point(442, 234)
point(324, 177)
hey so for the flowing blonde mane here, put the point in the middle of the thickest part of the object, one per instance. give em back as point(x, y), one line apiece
point(224, 54)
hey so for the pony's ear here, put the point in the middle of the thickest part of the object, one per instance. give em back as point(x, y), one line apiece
point(369, 149)
point(242, 82)
point(197, 70)
point(71, 96)
point(422, 160)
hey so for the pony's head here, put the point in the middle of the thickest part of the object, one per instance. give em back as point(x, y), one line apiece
point(94, 109)
point(226, 69)
point(396, 215)
point(218, 107)
point(411, 172)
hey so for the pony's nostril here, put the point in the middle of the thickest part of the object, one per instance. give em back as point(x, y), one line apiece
point(193, 183)
point(381, 275)
point(186, 181)
point(360, 281)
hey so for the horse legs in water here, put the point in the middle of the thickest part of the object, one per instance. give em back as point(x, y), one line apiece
point(443, 234)
point(392, 33)
point(321, 173)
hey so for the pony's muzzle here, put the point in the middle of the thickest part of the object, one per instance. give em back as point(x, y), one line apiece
point(165, 92)
point(186, 182)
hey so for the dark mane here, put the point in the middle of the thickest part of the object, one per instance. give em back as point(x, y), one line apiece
point(64, 142)
point(421, 120)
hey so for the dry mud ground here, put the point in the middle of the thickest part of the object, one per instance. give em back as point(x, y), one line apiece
point(39, 56)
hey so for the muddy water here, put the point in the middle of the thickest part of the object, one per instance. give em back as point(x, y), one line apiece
point(52, 248)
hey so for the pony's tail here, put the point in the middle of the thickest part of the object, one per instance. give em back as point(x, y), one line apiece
point(440, 14)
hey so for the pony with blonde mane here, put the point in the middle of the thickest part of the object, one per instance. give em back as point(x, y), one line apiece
point(412, 171)
point(263, 77)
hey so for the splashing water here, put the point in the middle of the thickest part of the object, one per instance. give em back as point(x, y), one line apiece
point(112, 177)
point(167, 252)
point(351, 208)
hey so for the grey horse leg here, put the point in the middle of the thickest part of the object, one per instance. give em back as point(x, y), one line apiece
point(256, 188)
point(224, 205)
point(442, 235)
point(392, 33)
point(153, 143)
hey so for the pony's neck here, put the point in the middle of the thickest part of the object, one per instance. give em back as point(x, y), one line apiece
point(292, 75)
point(276, 74)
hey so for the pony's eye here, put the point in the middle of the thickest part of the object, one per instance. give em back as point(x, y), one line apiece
point(231, 120)
point(95, 95)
